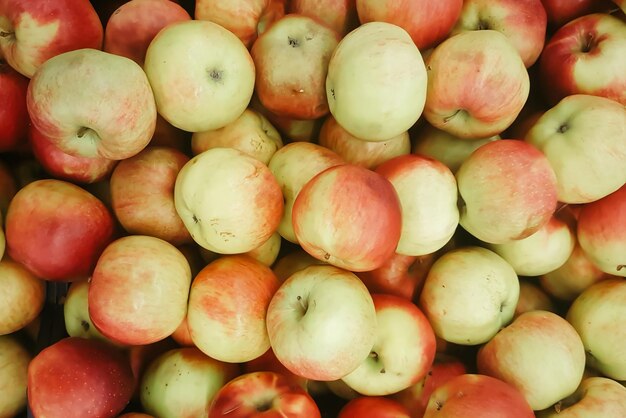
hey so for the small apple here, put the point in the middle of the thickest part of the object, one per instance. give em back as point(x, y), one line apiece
point(76, 312)
point(532, 298)
point(14, 361)
point(13, 114)
point(373, 407)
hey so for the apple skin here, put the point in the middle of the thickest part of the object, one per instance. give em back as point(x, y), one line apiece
point(556, 349)
point(368, 63)
point(584, 139)
point(216, 92)
point(601, 232)
point(595, 397)
point(57, 230)
point(76, 312)
point(373, 407)
point(508, 191)
point(339, 15)
point(14, 360)
point(139, 290)
point(37, 31)
point(322, 323)
point(267, 362)
point(266, 394)
point(142, 194)
point(343, 192)
point(560, 12)
point(22, 298)
point(292, 262)
point(477, 395)
point(131, 27)
point(71, 102)
point(227, 307)
point(593, 314)
point(427, 22)
point(585, 56)
point(13, 114)
point(79, 377)
point(532, 298)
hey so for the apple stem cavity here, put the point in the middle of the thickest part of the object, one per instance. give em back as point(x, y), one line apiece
point(293, 42)
point(621, 266)
point(483, 25)
point(588, 43)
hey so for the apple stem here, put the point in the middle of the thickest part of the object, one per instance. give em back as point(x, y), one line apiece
point(4, 34)
point(302, 304)
point(621, 266)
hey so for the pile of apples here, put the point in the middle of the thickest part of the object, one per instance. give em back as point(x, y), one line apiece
point(306, 208)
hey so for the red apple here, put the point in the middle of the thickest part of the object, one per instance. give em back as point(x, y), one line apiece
point(13, 113)
point(340, 15)
point(561, 12)
point(22, 299)
point(57, 230)
point(373, 407)
point(14, 361)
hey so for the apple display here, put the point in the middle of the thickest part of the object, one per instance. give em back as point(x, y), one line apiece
point(321, 323)
point(373, 407)
point(477, 84)
point(533, 298)
point(340, 15)
point(13, 114)
point(219, 88)
point(229, 201)
point(14, 361)
point(139, 290)
point(374, 59)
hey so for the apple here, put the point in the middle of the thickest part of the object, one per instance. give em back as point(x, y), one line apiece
point(584, 140)
point(585, 56)
point(267, 362)
point(293, 166)
point(524, 23)
point(540, 354)
point(70, 101)
point(13, 114)
point(351, 192)
point(32, 32)
point(561, 12)
point(292, 262)
point(265, 253)
point(183, 382)
point(263, 393)
point(167, 135)
point(79, 377)
point(139, 290)
point(219, 88)
point(532, 298)
point(403, 353)
point(373, 407)
point(428, 196)
point(427, 22)
point(228, 304)
point(593, 314)
point(251, 133)
point(76, 312)
point(469, 294)
point(368, 154)
point(57, 230)
point(141, 356)
point(22, 299)
point(477, 395)
point(132, 27)
point(477, 84)
point(339, 15)
point(142, 194)
point(182, 336)
point(321, 323)
point(14, 360)
point(229, 201)
point(247, 19)
point(370, 62)
point(601, 232)
point(3, 242)
point(595, 397)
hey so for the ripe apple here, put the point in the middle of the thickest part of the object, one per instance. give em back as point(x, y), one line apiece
point(139, 289)
point(228, 304)
point(373, 407)
point(585, 56)
point(71, 102)
point(57, 230)
point(229, 201)
point(428, 196)
point(77, 377)
point(556, 350)
point(532, 298)
point(322, 323)
point(524, 23)
point(182, 383)
point(403, 352)
point(593, 314)
point(22, 298)
point(251, 133)
point(293, 166)
point(427, 22)
point(339, 15)
point(266, 253)
point(469, 294)
point(561, 12)
point(218, 89)
point(181, 335)
point(14, 360)
point(507, 191)
point(76, 312)
point(263, 393)
point(478, 396)
point(267, 362)
point(370, 62)
point(477, 84)
point(368, 154)
point(13, 114)
point(132, 27)
point(602, 233)
point(351, 192)
point(292, 262)
point(32, 32)
point(584, 139)
point(142, 194)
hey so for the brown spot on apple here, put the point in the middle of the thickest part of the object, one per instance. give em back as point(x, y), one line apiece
point(293, 42)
